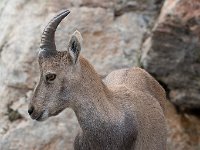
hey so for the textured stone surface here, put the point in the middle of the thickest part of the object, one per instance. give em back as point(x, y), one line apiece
point(110, 42)
point(183, 130)
point(145, 6)
point(172, 53)
point(113, 32)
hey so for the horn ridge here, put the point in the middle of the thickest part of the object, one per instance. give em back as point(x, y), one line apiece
point(48, 35)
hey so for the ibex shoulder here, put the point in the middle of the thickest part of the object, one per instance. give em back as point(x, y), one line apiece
point(137, 79)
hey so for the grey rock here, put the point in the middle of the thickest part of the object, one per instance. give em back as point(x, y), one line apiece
point(172, 52)
point(110, 42)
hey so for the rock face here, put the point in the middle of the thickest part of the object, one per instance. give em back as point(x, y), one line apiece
point(110, 42)
point(172, 53)
point(113, 33)
point(183, 130)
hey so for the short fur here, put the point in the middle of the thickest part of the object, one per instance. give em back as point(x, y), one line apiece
point(123, 112)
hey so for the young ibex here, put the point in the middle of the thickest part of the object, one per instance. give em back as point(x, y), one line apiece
point(125, 112)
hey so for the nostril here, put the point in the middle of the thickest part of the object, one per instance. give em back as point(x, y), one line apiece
point(30, 110)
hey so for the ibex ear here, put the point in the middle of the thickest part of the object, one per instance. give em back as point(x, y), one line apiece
point(74, 46)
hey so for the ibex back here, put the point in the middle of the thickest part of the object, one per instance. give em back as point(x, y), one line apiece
point(123, 112)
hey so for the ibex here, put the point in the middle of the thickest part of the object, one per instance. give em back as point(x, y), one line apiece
point(123, 112)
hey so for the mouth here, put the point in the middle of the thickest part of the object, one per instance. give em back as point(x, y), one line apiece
point(56, 113)
point(42, 116)
point(39, 117)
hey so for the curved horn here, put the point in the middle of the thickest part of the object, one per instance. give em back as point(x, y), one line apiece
point(47, 39)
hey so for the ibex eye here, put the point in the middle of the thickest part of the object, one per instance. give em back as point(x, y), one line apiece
point(50, 77)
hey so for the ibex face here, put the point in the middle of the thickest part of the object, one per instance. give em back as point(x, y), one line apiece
point(59, 73)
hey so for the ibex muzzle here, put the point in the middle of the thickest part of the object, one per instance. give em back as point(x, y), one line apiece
point(125, 112)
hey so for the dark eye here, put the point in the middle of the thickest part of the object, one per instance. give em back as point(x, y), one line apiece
point(50, 77)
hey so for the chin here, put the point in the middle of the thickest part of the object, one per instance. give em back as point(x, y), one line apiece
point(42, 119)
point(44, 116)
point(56, 113)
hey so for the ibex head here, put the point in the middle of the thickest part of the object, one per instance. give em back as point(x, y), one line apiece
point(59, 72)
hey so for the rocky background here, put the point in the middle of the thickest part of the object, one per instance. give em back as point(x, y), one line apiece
point(160, 36)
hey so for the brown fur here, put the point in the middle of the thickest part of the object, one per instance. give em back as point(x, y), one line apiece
point(125, 112)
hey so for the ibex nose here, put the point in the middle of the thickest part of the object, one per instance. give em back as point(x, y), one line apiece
point(30, 110)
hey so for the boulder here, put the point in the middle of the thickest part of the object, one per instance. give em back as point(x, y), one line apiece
point(113, 33)
point(183, 130)
point(172, 52)
point(110, 42)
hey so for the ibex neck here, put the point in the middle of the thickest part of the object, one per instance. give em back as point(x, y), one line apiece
point(92, 103)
